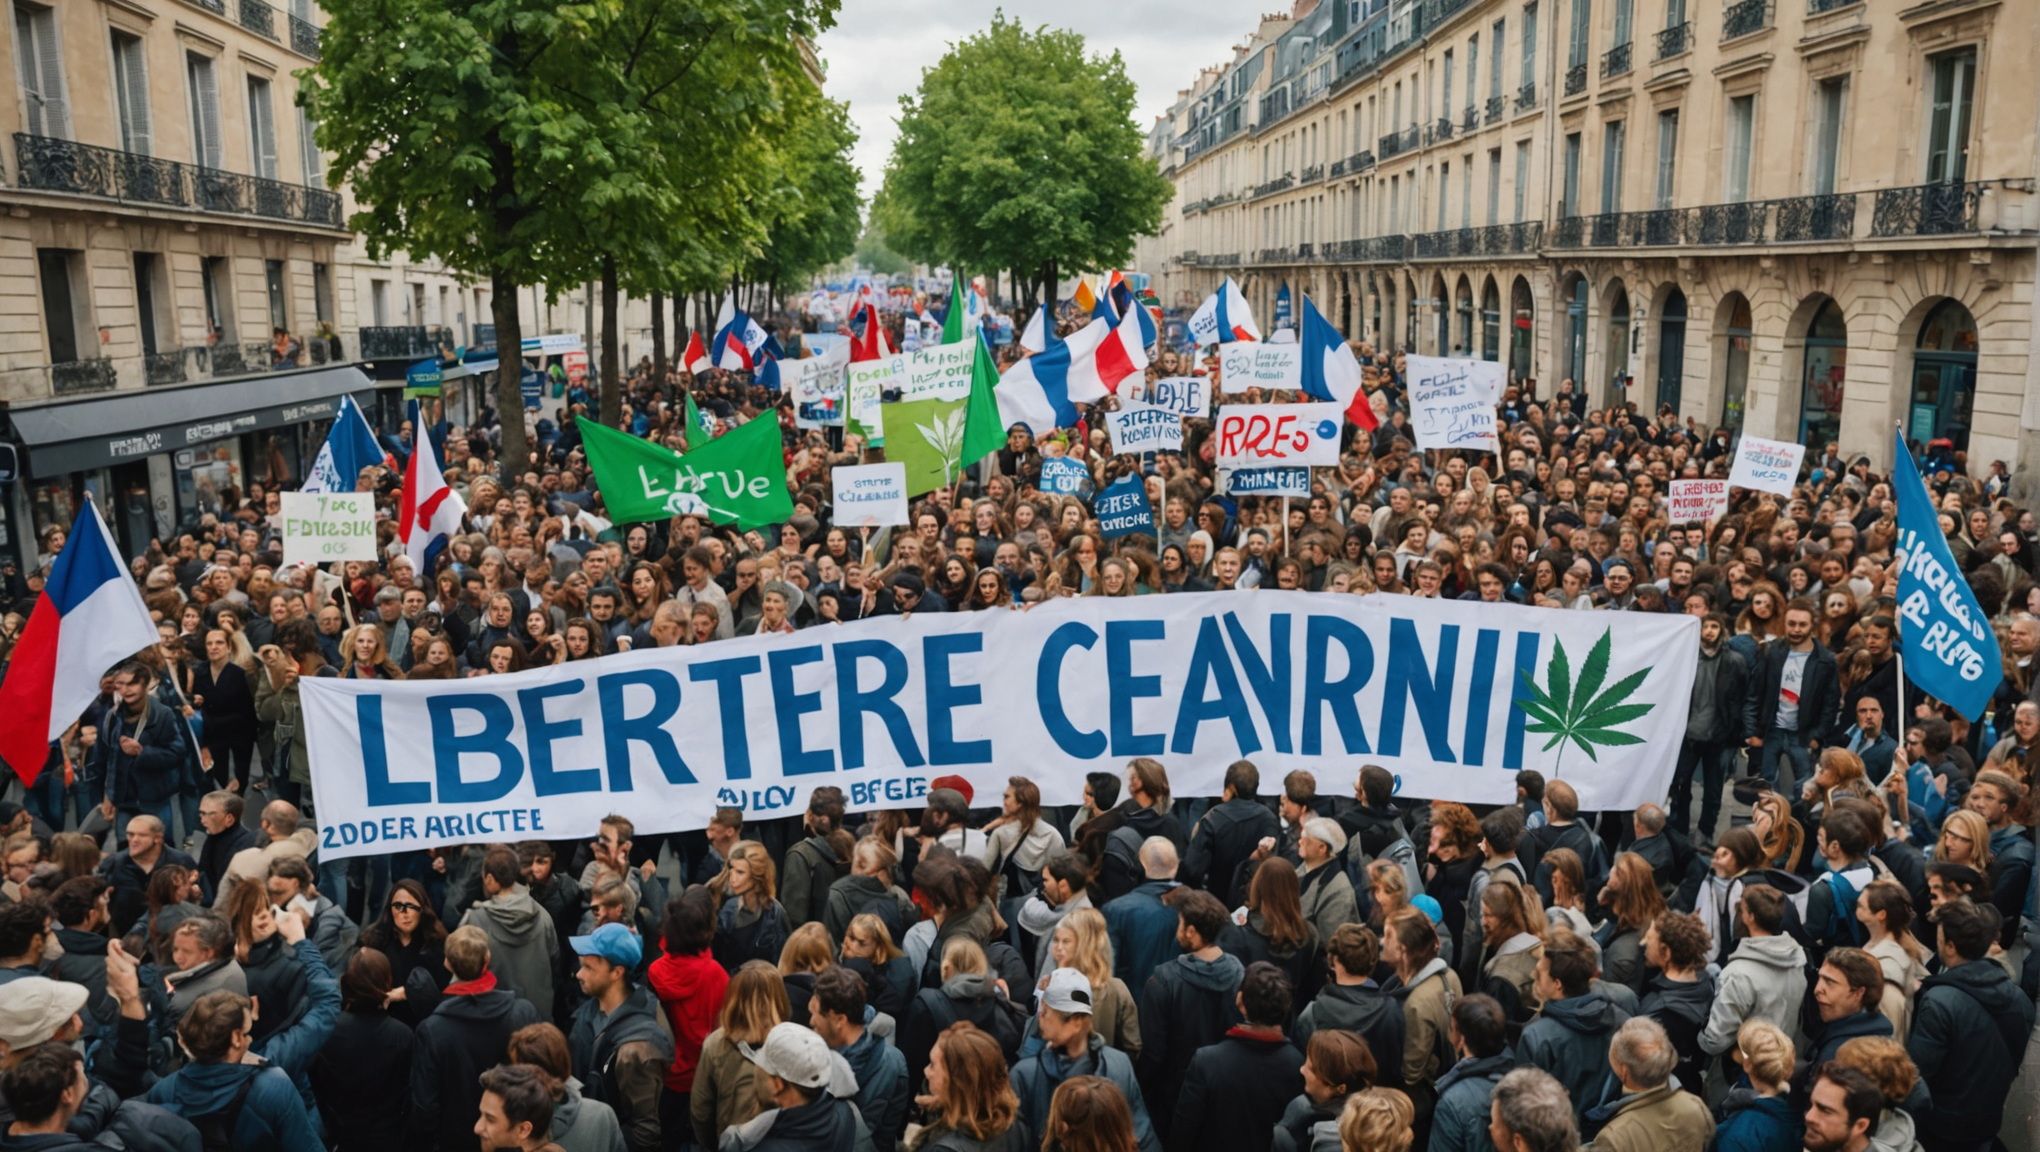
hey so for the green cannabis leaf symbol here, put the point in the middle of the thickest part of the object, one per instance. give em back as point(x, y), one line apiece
point(1582, 713)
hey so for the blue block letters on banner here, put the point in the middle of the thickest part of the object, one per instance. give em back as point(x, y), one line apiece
point(1455, 698)
point(1950, 650)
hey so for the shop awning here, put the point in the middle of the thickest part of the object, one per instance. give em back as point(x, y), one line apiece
point(66, 436)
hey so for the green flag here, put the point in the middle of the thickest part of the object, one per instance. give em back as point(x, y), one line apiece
point(740, 477)
point(983, 430)
point(698, 423)
point(937, 439)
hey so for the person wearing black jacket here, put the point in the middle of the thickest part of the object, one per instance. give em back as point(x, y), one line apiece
point(1713, 727)
point(1376, 822)
point(1795, 694)
point(1969, 1030)
point(363, 1073)
point(410, 936)
point(1228, 834)
point(140, 750)
point(1187, 1004)
point(467, 1034)
point(219, 813)
point(224, 697)
point(1235, 1090)
point(1354, 1002)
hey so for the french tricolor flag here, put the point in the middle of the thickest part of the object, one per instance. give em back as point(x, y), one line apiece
point(695, 359)
point(1123, 352)
point(1331, 371)
point(1224, 317)
point(1043, 390)
point(89, 617)
point(428, 511)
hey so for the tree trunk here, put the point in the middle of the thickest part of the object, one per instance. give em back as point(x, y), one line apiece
point(612, 380)
point(1048, 290)
point(658, 339)
point(515, 456)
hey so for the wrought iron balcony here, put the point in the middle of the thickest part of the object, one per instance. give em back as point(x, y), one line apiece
point(1396, 143)
point(1280, 184)
point(1526, 96)
point(304, 37)
point(1338, 169)
point(1569, 232)
point(1312, 174)
point(258, 18)
point(1604, 230)
point(1728, 223)
point(1471, 120)
point(47, 164)
point(1658, 228)
point(1745, 17)
point(1372, 250)
point(224, 359)
point(1359, 162)
point(1615, 61)
point(1441, 130)
point(80, 376)
point(1675, 41)
point(1576, 79)
point(1275, 256)
point(1943, 209)
point(1829, 217)
point(404, 343)
point(1495, 105)
point(1306, 252)
point(163, 367)
point(217, 7)
point(1816, 7)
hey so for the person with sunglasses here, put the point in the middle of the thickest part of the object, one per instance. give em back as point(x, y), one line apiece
point(410, 934)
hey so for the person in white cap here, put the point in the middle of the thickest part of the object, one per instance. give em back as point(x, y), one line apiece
point(36, 1012)
point(812, 1087)
point(1070, 1048)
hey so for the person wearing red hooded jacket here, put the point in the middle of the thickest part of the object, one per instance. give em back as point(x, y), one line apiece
point(690, 984)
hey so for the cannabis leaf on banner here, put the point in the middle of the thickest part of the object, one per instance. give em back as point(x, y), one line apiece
point(1582, 713)
point(946, 438)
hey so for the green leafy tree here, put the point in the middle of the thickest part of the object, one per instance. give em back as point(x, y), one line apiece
point(815, 208)
point(1019, 151)
point(874, 254)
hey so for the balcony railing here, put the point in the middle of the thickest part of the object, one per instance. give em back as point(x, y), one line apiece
point(1526, 96)
point(217, 7)
point(1728, 223)
point(1943, 209)
point(1279, 184)
point(258, 18)
point(1442, 130)
point(1338, 169)
point(52, 165)
point(1816, 7)
point(1829, 217)
point(402, 343)
point(1471, 120)
point(1312, 174)
point(304, 37)
point(80, 376)
point(1373, 250)
point(1743, 18)
point(1569, 232)
point(1359, 162)
point(163, 367)
point(1495, 106)
point(1604, 230)
point(1396, 143)
point(1275, 256)
point(1675, 41)
point(1576, 79)
point(1659, 228)
point(1615, 61)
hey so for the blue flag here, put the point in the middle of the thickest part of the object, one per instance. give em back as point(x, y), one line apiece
point(1123, 508)
point(350, 446)
point(1949, 648)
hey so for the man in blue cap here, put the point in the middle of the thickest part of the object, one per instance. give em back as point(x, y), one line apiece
point(620, 1052)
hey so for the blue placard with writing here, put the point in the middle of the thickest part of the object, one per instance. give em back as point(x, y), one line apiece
point(1064, 477)
point(1123, 508)
point(1945, 636)
point(534, 389)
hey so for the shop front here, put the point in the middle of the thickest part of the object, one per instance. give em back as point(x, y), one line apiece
point(160, 460)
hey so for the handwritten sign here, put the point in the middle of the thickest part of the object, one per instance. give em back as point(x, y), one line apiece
point(1696, 501)
point(1279, 435)
point(870, 495)
point(1183, 395)
point(1452, 402)
point(1767, 465)
point(820, 397)
point(868, 381)
point(1246, 364)
point(1123, 508)
point(1138, 427)
point(320, 527)
point(1064, 477)
point(1265, 481)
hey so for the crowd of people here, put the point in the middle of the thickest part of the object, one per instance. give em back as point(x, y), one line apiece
point(1275, 968)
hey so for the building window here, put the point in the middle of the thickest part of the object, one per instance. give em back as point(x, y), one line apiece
point(1827, 134)
point(1445, 103)
point(151, 295)
point(261, 129)
point(1948, 116)
point(65, 317)
point(1582, 28)
point(131, 93)
point(322, 292)
point(1529, 44)
point(216, 280)
point(1667, 156)
point(1742, 127)
point(1494, 186)
point(1522, 177)
point(1472, 69)
point(1444, 193)
point(309, 161)
point(272, 278)
point(41, 63)
point(206, 142)
point(1624, 17)
point(1613, 136)
point(1466, 193)
point(379, 292)
point(1569, 196)
point(1494, 80)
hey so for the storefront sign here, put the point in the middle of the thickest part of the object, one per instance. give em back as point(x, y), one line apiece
point(321, 527)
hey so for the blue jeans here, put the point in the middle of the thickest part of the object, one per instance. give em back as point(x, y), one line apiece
point(1791, 745)
point(1711, 762)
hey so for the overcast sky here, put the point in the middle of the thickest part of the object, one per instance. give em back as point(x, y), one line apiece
point(878, 48)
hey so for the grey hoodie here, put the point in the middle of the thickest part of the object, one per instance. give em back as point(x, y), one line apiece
point(583, 1125)
point(1765, 979)
point(524, 948)
point(1895, 1132)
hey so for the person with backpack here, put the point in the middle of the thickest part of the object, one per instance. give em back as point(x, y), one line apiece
point(1764, 979)
point(1146, 806)
point(467, 1033)
point(1229, 834)
point(1375, 821)
point(838, 1014)
point(1354, 1002)
point(620, 1048)
point(1500, 832)
point(1328, 894)
point(1681, 993)
point(1188, 1002)
point(1562, 830)
point(1072, 1049)
point(1426, 985)
point(1827, 908)
point(813, 866)
point(967, 992)
point(869, 888)
point(1572, 1032)
point(1019, 843)
point(1480, 1037)
point(236, 1106)
point(1141, 923)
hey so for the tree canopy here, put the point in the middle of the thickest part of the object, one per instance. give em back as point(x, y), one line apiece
point(1019, 151)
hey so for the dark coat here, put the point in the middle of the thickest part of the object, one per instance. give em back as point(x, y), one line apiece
point(152, 775)
point(1969, 1030)
point(1682, 1007)
point(1366, 1010)
point(621, 1059)
point(363, 1078)
point(1222, 841)
point(1460, 1121)
point(1753, 1123)
point(1303, 965)
point(1187, 1004)
point(1143, 932)
point(130, 900)
point(279, 981)
point(272, 1119)
point(229, 708)
point(1569, 1039)
point(1234, 1092)
point(218, 852)
point(1819, 694)
point(464, 1037)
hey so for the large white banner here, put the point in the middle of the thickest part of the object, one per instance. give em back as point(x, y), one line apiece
point(1248, 364)
point(1454, 697)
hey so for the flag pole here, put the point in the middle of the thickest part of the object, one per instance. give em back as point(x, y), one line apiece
point(1898, 618)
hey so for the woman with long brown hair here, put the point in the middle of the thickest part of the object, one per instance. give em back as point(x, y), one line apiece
point(970, 1105)
point(1513, 947)
point(1019, 844)
point(1886, 910)
point(174, 895)
point(408, 933)
point(1088, 1114)
point(1277, 931)
point(1633, 902)
point(1336, 1064)
point(727, 1088)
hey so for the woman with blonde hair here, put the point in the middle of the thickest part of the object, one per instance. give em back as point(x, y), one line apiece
point(1377, 1120)
point(872, 863)
point(967, 992)
point(868, 945)
point(1885, 908)
point(1388, 891)
point(1088, 1114)
point(1964, 839)
point(751, 924)
point(1633, 903)
point(1082, 942)
point(365, 655)
point(807, 952)
point(1758, 1115)
point(727, 1089)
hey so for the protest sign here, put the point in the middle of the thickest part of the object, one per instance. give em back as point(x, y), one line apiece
point(870, 495)
point(1183, 395)
point(577, 366)
point(1452, 402)
point(1123, 508)
point(1766, 465)
point(1138, 427)
point(1696, 501)
point(1264, 481)
point(532, 384)
point(1063, 477)
point(1454, 697)
point(1246, 364)
point(423, 379)
point(939, 371)
point(320, 527)
point(1279, 435)
point(820, 397)
point(1950, 649)
point(867, 383)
